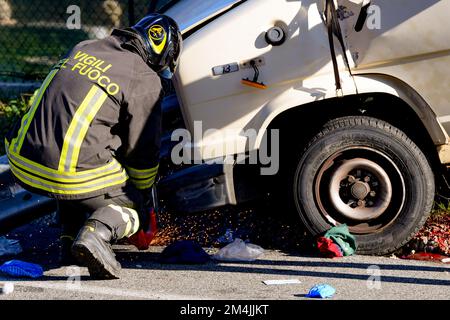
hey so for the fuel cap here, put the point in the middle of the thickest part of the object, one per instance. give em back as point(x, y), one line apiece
point(275, 36)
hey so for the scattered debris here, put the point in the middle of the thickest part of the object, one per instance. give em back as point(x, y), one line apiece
point(337, 242)
point(328, 248)
point(278, 282)
point(6, 288)
point(231, 234)
point(9, 247)
point(321, 291)
point(426, 256)
point(247, 222)
point(228, 237)
point(18, 268)
point(343, 238)
point(434, 237)
point(238, 250)
point(184, 252)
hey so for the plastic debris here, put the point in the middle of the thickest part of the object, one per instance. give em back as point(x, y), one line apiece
point(184, 252)
point(321, 291)
point(238, 250)
point(278, 282)
point(232, 234)
point(7, 288)
point(18, 268)
point(228, 237)
point(446, 260)
point(9, 247)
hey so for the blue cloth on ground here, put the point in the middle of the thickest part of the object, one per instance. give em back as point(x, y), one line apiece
point(184, 252)
point(18, 268)
point(321, 291)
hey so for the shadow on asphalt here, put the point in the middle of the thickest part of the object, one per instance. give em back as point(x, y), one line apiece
point(149, 261)
point(41, 246)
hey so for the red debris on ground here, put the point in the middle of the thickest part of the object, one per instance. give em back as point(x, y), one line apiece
point(425, 256)
point(328, 248)
point(434, 237)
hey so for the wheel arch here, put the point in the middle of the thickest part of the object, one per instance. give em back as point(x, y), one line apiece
point(382, 83)
point(379, 85)
point(380, 96)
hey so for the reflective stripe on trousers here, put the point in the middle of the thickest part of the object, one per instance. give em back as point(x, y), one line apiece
point(143, 178)
point(124, 222)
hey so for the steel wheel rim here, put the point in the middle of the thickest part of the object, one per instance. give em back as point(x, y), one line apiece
point(364, 219)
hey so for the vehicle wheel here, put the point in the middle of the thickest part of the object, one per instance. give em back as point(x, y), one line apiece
point(365, 173)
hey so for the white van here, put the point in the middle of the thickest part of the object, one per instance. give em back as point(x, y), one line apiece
point(362, 143)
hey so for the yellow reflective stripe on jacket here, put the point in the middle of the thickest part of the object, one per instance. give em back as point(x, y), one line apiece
point(72, 188)
point(78, 128)
point(63, 177)
point(142, 173)
point(28, 117)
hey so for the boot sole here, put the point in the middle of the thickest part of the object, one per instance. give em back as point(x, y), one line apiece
point(91, 259)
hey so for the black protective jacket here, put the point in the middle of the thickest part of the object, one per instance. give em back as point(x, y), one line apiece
point(94, 123)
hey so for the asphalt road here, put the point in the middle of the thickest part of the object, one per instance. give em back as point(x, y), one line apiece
point(354, 278)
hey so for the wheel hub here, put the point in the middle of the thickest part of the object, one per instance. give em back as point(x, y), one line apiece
point(360, 189)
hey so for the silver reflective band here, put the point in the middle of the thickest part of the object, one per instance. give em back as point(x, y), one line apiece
point(48, 173)
point(59, 188)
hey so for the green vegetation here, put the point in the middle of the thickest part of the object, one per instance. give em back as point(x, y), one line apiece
point(441, 208)
point(10, 113)
point(31, 51)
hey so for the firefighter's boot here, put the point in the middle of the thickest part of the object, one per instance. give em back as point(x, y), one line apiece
point(92, 247)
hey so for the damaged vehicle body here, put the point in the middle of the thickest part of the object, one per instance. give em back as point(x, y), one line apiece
point(349, 98)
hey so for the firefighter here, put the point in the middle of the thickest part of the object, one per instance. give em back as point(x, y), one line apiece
point(91, 138)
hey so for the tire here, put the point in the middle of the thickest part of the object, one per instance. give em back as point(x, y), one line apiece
point(365, 173)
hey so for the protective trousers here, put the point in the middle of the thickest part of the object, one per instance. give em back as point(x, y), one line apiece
point(118, 210)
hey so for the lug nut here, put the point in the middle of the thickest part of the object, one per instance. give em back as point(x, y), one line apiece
point(351, 179)
point(373, 193)
point(366, 178)
point(361, 203)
